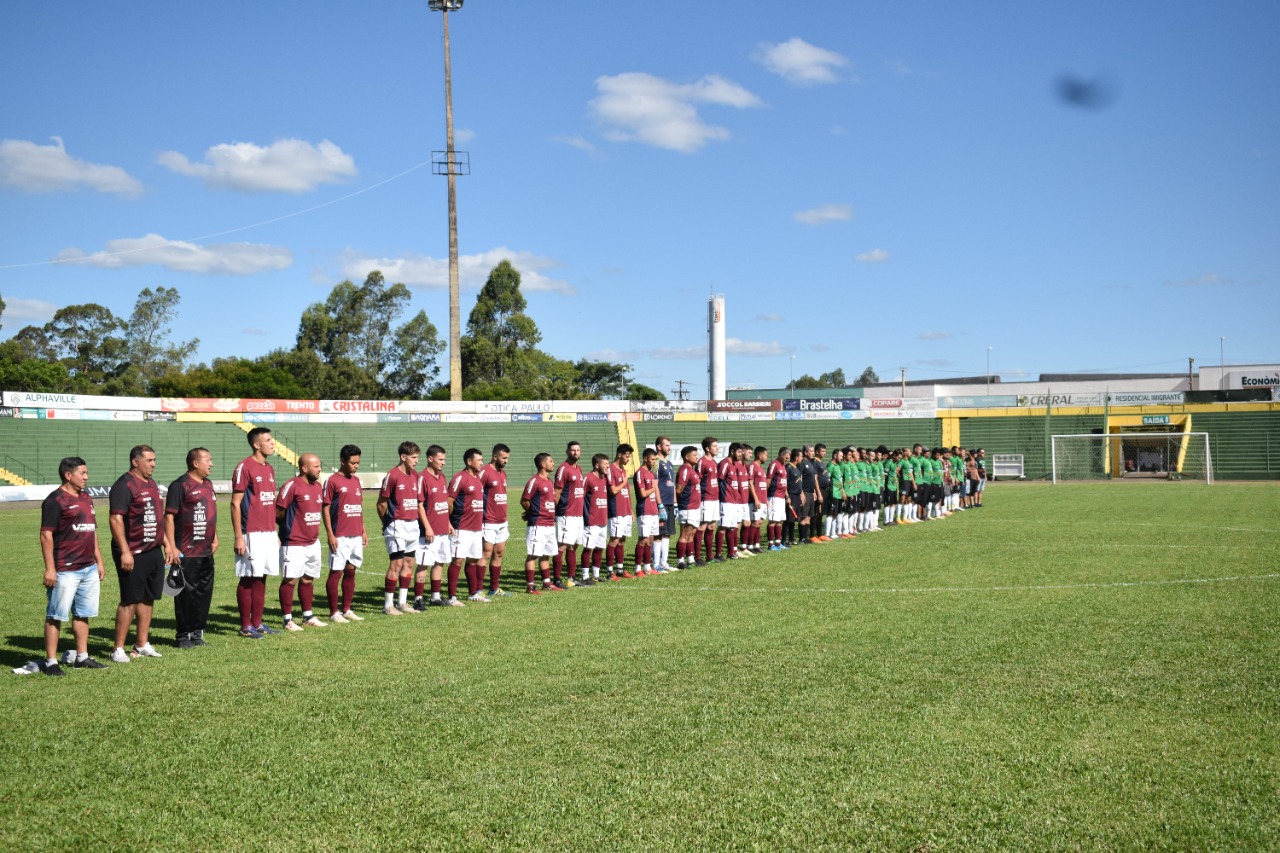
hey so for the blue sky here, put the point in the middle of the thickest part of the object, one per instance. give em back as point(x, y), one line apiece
point(893, 184)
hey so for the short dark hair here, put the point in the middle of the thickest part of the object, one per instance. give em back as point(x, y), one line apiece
point(660, 439)
point(537, 460)
point(347, 451)
point(760, 448)
point(408, 448)
point(67, 465)
point(598, 458)
point(469, 454)
point(136, 452)
point(624, 448)
point(194, 453)
point(818, 447)
point(256, 433)
point(707, 442)
point(434, 450)
point(686, 450)
point(649, 453)
point(572, 444)
point(500, 448)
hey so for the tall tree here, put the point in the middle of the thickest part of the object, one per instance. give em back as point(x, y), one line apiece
point(868, 377)
point(2, 306)
point(85, 340)
point(602, 379)
point(414, 367)
point(500, 336)
point(834, 379)
point(150, 352)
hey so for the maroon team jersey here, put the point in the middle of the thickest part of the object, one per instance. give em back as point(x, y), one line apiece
point(730, 491)
point(468, 501)
point(619, 504)
point(435, 500)
point(710, 474)
point(777, 479)
point(569, 482)
point(644, 479)
point(75, 530)
point(595, 497)
point(137, 501)
point(744, 482)
point(495, 495)
point(755, 476)
point(688, 488)
point(257, 481)
point(301, 502)
point(401, 493)
point(194, 508)
point(344, 499)
point(542, 509)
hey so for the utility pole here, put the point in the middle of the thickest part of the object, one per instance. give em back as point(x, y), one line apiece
point(904, 381)
point(450, 168)
point(680, 391)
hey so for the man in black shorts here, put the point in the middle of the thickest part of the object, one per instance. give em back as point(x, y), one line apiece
point(795, 498)
point(137, 547)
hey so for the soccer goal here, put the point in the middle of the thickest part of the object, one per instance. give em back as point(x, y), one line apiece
point(1132, 455)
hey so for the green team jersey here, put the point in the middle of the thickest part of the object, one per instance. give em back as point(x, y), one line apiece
point(937, 471)
point(891, 475)
point(878, 467)
point(836, 472)
point(850, 478)
point(917, 470)
point(861, 468)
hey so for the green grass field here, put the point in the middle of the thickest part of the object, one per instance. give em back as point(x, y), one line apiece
point(1090, 666)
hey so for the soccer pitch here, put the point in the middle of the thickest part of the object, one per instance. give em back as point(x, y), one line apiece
point(1090, 666)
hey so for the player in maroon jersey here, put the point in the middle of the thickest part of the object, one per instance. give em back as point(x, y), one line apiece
point(759, 497)
point(709, 472)
point(595, 502)
point(539, 506)
point(398, 510)
point(343, 518)
point(434, 546)
point(467, 520)
point(619, 513)
point(569, 522)
point(191, 533)
point(73, 567)
point(299, 510)
point(778, 495)
point(253, 523)
point(646, 486)
point(494, 530)
point(137, 549)
point(730, 503)
point(689, 508)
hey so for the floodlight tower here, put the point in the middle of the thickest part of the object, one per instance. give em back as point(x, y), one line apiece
point(451, 170)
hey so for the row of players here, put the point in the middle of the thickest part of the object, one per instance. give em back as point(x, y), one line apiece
point(429, 523)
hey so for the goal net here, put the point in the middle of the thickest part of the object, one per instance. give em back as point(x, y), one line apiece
point(1132, 455)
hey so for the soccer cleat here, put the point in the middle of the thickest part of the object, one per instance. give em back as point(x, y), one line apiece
point(775, 547)
point(265, 631)
point(337, 619)
point(479, 598)
point(551, 587)
point(291, 626)
point(313, 622)
point(498, 593)
point(588, 582)
point(48, 668)
point(626, 575)
point(120, 656)
point(569, 583)
point(392, 611)
point(533, 590)
point(435, 602)
point(420, 605)
point(452, 601)
point(198, 639)
point(90, 663)
point(250, 634)
point(352, 616)
point(147, 651)
point(186, 643)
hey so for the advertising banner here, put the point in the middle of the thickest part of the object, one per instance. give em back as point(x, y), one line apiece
point(560, 417)
point(209, 417)
point(437, 407)
point(159, 416)
point(392, 418)
point(1260, 378)
point(1042, 400)
point(788, 416)
point(237, 404)
point(625, 416)
point(647, 406)
point(822, 404)
point(359, 407)
point(526, 417)
point(739, 416)
point(334, 418)
point(601, 406)
point(659, 416)
point(691, 416)
point(8, 412)
point(102, 415)
point(1147, 398)
point(591, 417)
point(744, 405)
point(882, 414)
point(909, 404)
point(980, 401)
point(55, 414)
point(513, 406)
point(424, 418)
point(40, 400)
point(463, 418)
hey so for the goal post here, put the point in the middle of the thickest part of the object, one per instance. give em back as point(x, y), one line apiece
point(1132, 455)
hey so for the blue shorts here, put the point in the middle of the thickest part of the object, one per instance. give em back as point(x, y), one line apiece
point(75, 593)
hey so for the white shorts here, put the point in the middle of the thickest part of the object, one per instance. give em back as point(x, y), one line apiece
point(401, 536)
point(710, 512)
point(777, 509)
point(731, 515)
point(261, 556)
point(350, 551)
point(597, 537)
point(569, 530)
point(690, 517)
point(757, 512)
point(620, 527)
point(437, 552)
point(648, 526)
point(540, 541)
point(496, 534)
point(297, 561)
point(467, 544)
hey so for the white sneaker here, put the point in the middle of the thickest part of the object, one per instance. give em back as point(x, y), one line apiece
point(392, 611)
point(479, 598)
point(337, 619)
point(290, 625)
point(147, 651)
point(452, 601)
point(313, 622)
point(119, 656)
point(351, 616)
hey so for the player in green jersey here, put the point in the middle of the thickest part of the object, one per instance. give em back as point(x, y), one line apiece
point(835, 471)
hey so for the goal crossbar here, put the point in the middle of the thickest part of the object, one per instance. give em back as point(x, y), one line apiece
point(1096, 456)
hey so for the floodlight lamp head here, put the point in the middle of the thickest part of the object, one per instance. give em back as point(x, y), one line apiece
point(444, 5)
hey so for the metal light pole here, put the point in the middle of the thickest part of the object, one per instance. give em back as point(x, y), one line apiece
point(1222, 362)
point(988, 371)
point(455, 309)
point(793, 377)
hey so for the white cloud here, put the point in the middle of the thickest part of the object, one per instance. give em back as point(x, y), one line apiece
point(463, 135)
point(428, 272)
point(679, 353)
point(579, 142)
point(770, 318)
point(181, 256)
point(824, 213)
point(639, 107)
point(801, 63)
point(875, 256)
point(612, 355)
point(34, 168)
point(20, 312)
point(287, 165)
point(935, 362)
point(820, 347)
point(737, 346)
point(934, 336)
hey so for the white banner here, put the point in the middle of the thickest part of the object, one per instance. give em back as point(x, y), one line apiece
point(512, 407)
point(39, 400)
point(1147, 398)
point(910, 404)
point(668, 405)
point(1042, 400)
point(332, 418)
point(604, 406)
point(1260, 378)
point(881, 414)
point(100, 415)
point(437, 406)
point(463, 418)
point(361, 407)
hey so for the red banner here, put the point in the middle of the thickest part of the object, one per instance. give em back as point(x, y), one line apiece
point(237, 404)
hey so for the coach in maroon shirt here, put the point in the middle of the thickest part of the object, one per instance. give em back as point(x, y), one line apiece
point(191, 534)
point(137, 548)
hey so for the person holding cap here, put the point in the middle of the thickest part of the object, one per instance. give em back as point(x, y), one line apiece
point(191, 535)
